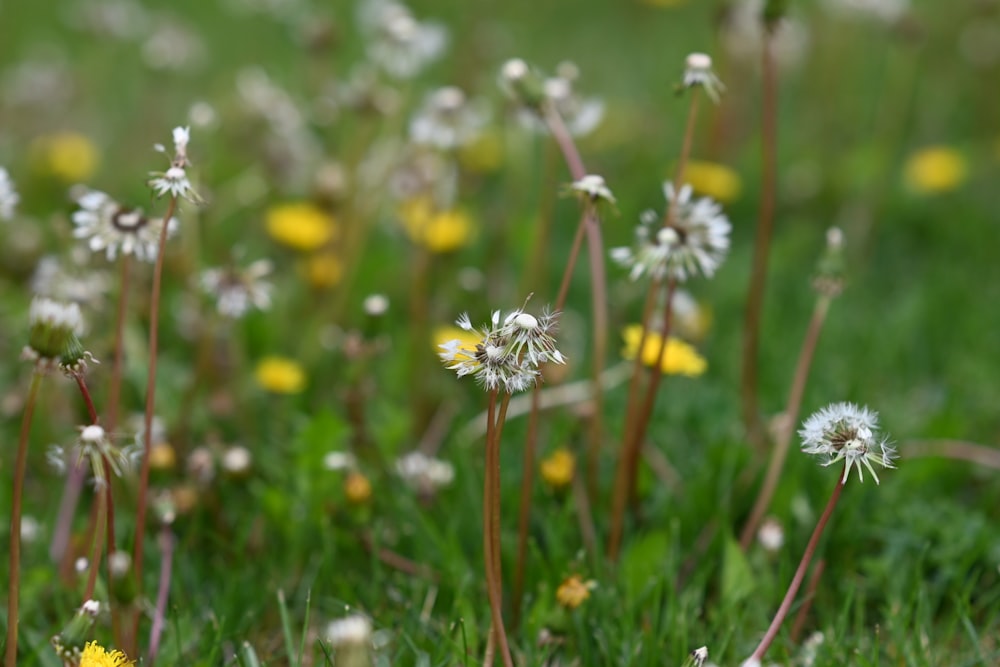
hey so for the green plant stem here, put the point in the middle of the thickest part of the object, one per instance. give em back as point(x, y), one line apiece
point(147, 429)
point(789, 418)
point(98, 542)
point(20, 466)
point(800, 573)
point(762, 245)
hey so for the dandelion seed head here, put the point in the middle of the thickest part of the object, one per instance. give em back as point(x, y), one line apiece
point(849, 433)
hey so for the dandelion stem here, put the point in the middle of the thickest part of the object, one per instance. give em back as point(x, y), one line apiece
point(527, 478)
point(762, 245)
point(14, 580)
point(147, 427)
point(800, 573)
point(100, 518)
point(790, 417)
point(490, 545)
point(167, 544)
point(803, 612)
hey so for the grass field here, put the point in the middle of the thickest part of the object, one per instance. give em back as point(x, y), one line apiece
point(351, 222)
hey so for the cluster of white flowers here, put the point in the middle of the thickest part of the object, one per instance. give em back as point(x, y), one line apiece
point(694, 241)
point(8, 196)
point(509, 353)
point(846, 432)
point(239, 290)
point(111, 227)
point(448, 120)
point(397, 42)
point(175, 180)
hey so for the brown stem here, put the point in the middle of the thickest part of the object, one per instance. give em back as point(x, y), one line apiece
point(147, 427)
point(789, 418)
point(87, 400)
point(98, 538)
point(762, 246)
point(800, 572)
point(524, 515)
point(490, 546)
point(14, 579)
point(803, 612)
point(167, 545)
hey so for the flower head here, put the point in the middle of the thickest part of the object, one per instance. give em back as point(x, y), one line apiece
point(300, 225)
point(112, 228)
point(557, 469)
point(53, 329)
point(574, 591)
point(69, 643)
point(94, 655)
point(935, 170)
point(711, 179)
point(175, 180)
point(424, 473)
point(239, 290)
point(698, 72)
point(398, 42)
point(593, 188)
point(694, 240)
point(447, 120)
point(8, 196)
point(846, 432)
point(438, 231)
point(679, 358)
point(279, 375)
point(69, 156)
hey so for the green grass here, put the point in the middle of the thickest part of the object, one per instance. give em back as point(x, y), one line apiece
point(911, 572)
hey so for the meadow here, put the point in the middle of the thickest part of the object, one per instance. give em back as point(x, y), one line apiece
point(245, 422)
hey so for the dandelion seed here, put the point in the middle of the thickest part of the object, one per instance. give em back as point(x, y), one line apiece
point(846, 432)
point(337, 461)
point(771, 535)
point(71, 281)
point(112, 228)
point(698, 72)
point(8, 196)
point(375, 305)
point(239, 291)
point(237, 461)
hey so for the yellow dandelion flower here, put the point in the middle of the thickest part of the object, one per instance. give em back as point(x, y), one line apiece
point(467, 339)
point(69, 156)
point(300, 225)
point(557, 469)
point(574, 591)
point(357, 489)
point(484, 155)
point(280, 375)
point(94, 655)
point(437, 231)
point(162, 456)
point(935, 170)
point(713, 180)
point(680, 359)
point(323, 270)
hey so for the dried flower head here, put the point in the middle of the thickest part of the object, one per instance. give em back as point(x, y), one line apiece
point(111, 227)
point(423, 473)
point(694, 240)
point(574, 591)
point(397, 41)
point(8, 196)
point(70, 641)
point(698, 72)
point(94, 447)
point(593, 188)
point(447, 120)
point(53, 328)
point(239, 290)
point(846, 432)
point(175, 180)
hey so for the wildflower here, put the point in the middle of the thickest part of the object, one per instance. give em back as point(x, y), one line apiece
point(398, 42)
point(714, 180)
point(593, 188)
point(846, 432)
point(69, 156)
point(300, 225)
point(238, 291)
point(447, 120)
point(236, 461)
point(162, 456)
point(698, 72)
point(375, 305)
point(112, 228)
point(694, 240)
point(95, 655)
point(771, 535)
point(573, 591)
point(679, 359)
point(279, 375)
point(424, 473)
point(357, 488)
point(69, 643)
point(558, 468)
point(93, 446)
point(935, 170)
point(53, 329)
point(439, 232)
point(466, 339)
point(8, 196)
point(174, 180)
point(323, 270)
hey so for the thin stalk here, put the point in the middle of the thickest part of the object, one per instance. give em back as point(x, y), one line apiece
point(790, 417)
point(167, 544)
point(490, 548)
point(762, 245)
point(147, 430)
point(803, 612)
point(524, 515)
point(98, 538)
point(800, 573)
point(14, 579)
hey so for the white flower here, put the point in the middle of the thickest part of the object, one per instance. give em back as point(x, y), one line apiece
point(424, 473)
point(112, 228)
point(237, 291)
point(375, 305)
point(695, 240)
point(237, 460)
point(397, 41)
point(447, 120)
point(93, 447)
point(8, 196)
point(352, 630)
point(699, 656)
point(846, 432)
point(698, 72)
point(594, 188)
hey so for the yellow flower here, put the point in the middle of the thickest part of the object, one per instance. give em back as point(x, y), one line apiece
point(680, 359)
point(443, 334)
point(483, 155)
point(280, 375)
point(573, 591)
point(300, 225)
point(94, 655)
point(162, 456)
point(69, 156)
point(323, 270)
point(357, 489)
point(934, 170)
point(437, 231)
point(713, 180)
point(557, 469)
